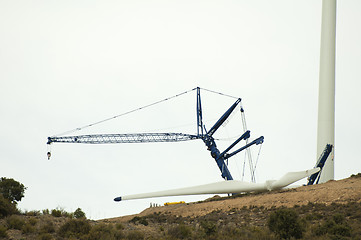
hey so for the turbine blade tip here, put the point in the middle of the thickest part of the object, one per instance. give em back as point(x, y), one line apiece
point(118, 199)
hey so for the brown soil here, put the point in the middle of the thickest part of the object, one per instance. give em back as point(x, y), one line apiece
point(341, 191)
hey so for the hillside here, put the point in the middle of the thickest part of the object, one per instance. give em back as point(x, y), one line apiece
point(326, 211)
point(342, 192)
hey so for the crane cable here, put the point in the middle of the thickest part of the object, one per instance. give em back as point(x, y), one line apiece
point(244, 165)
point(123, 114)
point(137, 109)
point(248, 151)
point(219, 93)
point(255, 165)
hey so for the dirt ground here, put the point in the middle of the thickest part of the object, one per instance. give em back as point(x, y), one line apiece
point(341, 191)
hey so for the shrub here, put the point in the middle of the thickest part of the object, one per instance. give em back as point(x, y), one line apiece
point(3, 233)
point(28, 228)
point(135, 235)
point(134, 219)
point(180, 232)
point(157, 217)
point(321, 229)
point(330, 226)
point(15, 222)
point(104, 232)
point(285, 224)
point(209, 227)
point(32, 213)
point(56, 213)
point(101, 231)
point(66, 214)
point(74, 228)
point(339, 218)
point(47, 228)
point(79, 213)
point(60, 213)
point(46, 212)
point(356, 176)
point(33, 221)
point(231, 230)
point(119, 234)
point(7, 208)
point(260, 233)
point(143, 221)
point(119, 226)
point(341, 230)
point(140, 220)
point(45, 236)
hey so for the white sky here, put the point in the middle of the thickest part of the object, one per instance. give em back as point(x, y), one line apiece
point(65, 64)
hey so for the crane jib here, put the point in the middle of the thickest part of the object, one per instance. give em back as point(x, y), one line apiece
point(123, 138)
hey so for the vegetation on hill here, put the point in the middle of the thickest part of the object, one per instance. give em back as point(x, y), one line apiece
point(310, 221)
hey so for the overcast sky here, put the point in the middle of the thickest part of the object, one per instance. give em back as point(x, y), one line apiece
point(66, 64)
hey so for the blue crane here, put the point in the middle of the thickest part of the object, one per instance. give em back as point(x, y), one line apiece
point(202, 133)
point(320, 163)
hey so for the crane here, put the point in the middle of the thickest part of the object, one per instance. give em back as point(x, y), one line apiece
point(202, 133)
point(320, 163)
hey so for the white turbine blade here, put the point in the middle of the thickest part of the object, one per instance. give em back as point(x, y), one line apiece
point(231, 186)
point(292, 177)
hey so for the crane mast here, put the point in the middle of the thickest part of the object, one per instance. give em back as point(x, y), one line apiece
point(202, 133)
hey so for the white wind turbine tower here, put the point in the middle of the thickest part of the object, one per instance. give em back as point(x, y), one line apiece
point(326, 95)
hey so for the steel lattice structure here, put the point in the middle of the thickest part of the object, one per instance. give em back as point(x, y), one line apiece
point(123, 138)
